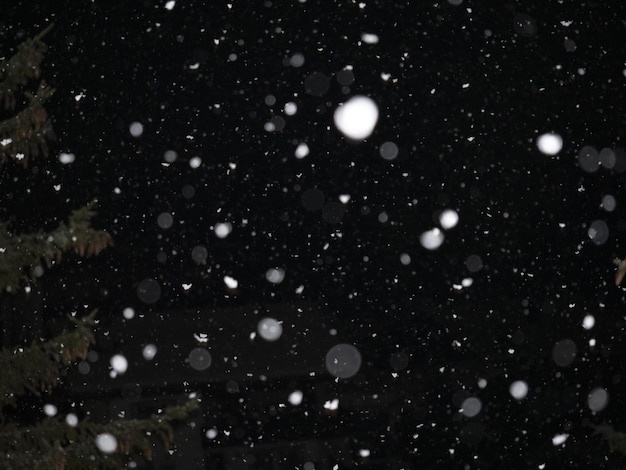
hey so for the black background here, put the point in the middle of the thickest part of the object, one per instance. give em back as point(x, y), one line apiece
point(469, 148)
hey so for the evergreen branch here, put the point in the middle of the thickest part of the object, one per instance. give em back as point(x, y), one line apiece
point(21, 68)
point(27, 132)
point(52, 443)
point(75, 447)
point(36, 369)
point(25, 252)
point(615, 439)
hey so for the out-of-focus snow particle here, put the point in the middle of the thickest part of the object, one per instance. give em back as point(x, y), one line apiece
point(119, 363)
point(524, 25)
point(398, 361)
point(471, 407)
point(388, 150)
point(128, 313)
point(230, 282)
point(564, 352)
point(448, 219)
point(364, 453)
point(106, 442)
point(199, 254)
point(607, 157)
point(518, 389)
point(559, 439)
point(223, 229)
point(296, 60)
point(302, 150)
point(588, 322)
point(598, 232)
point(467, 282)
point(588, 159)
point(345, 77)
point(456, 3)
point(49, 409)
point(291, 108)
point(195, 162)
point(149, 291)
point(200, 359)
point(149, 351)
point(405, 259)
point(369, 38)
point(569, 44)
point(170, 4)
point(344, 198)
point(609, 203)
point(474, 263)
point(432, 239)
point(188, 191)
point(277, 123)
point(343, 360)
point(549, 143)
point(357, 117)
point(300, 289)
point(333, 212)
point(211, 433)
point(66, 158)
point(295, 397)
point(275, 275)
point(71, 419)
point(482, 383)
point(136, 129)
point(165, 220)
point(270, 329)
point(598, 399)
point(170, 156)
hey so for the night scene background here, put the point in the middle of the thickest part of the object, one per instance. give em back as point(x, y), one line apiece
point(437, 293)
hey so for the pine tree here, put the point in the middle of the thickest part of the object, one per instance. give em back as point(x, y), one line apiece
point(33, 371)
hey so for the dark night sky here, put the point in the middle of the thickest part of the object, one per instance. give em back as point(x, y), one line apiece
point(466, 92)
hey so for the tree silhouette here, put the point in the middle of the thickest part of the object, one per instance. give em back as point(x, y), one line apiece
point(47, 441)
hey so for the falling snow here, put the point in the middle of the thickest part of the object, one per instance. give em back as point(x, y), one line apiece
point(357, 117)
point(369, 236)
